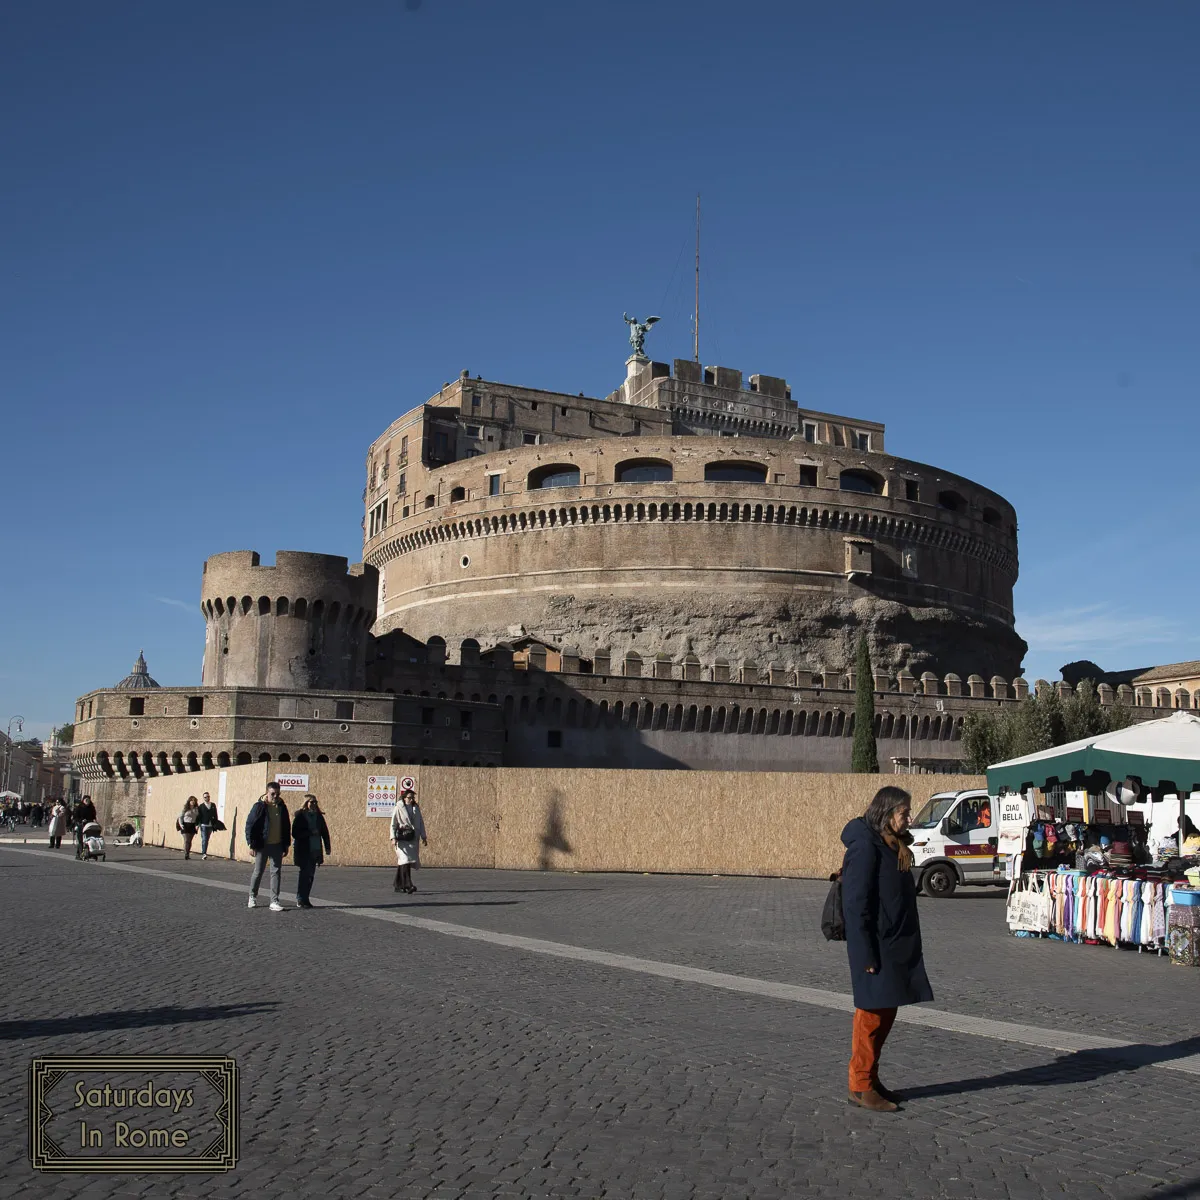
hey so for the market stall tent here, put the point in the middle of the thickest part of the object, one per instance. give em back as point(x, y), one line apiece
point(1163, 755)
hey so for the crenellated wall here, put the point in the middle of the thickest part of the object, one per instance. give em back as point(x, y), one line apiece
point(302, 623)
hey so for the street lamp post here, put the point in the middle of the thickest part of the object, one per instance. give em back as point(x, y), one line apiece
point(20, 724)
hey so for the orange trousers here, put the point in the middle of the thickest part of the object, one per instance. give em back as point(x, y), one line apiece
point(871, 1027)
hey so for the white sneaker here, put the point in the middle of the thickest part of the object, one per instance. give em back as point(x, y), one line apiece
point(203, 857)
point(252, 903)
point(276, 906)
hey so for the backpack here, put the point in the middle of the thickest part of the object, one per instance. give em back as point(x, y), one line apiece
point(833, 923)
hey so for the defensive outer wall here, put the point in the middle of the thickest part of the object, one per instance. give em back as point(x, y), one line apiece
point(639, 524)
point(665, 821)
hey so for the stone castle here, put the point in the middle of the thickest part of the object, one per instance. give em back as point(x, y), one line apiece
point(673, 576)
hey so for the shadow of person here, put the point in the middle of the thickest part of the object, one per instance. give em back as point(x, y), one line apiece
point(1081, 1066)
point(132, 1018)
point(553, 836)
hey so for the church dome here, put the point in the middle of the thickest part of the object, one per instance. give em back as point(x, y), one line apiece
point(138, 679)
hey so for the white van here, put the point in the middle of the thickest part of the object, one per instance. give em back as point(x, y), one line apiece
point(955, 838)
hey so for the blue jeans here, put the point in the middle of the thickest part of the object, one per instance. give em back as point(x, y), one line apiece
point(205, 834)
point(275, 855)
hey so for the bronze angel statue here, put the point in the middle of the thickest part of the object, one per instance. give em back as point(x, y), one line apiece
point(637, 332)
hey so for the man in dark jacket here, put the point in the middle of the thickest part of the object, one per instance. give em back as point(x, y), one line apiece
point(268, 834)
point(83, 812)
point(207, 820)
point(883, 936)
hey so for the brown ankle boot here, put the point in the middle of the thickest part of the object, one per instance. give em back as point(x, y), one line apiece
point(887, 1093)
point(872, 1100)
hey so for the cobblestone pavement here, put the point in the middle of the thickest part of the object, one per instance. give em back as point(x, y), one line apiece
point(380, 1060)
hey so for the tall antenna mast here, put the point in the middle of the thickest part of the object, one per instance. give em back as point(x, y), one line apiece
point(696, 315)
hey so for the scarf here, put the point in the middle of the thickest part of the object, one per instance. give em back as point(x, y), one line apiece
point(900, 843)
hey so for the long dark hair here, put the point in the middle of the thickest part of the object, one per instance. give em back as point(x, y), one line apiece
point(879, 815)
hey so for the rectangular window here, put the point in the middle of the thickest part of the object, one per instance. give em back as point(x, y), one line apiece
point(476, 400)
point(344, 710)
point(195, 706)
point(530, 439)
point(862, 441)
point(404, 446)
point(494, 485)
point(533, 406)
point(464, 718)
point(912, 490)
point(554, 739)
point(808, 476)
point(563, 410)
point(810, 431)
point(441, 444)
point(402, 484)
point(427, 716)
point(404, 511)
point(473, 431)
point(137, 708)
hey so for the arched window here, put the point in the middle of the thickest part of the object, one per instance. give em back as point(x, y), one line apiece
point(991, 517)
point(952, 501)
point(458, 493)
point(264, 757)
point(643, 470)
point(861, 481)
point(554, 475)
point(243, 758)
point(735, 472)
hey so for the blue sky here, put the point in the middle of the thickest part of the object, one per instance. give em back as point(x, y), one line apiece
point(239, 239)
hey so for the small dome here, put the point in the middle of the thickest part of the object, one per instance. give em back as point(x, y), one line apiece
point(138, 679)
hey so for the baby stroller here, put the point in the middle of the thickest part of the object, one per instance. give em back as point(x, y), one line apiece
point(93, 842)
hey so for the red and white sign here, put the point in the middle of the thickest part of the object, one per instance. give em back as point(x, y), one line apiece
point(381, 795)
point(292, 783)
point(408, 784)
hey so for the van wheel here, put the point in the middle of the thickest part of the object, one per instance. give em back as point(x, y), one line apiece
point(939, 881)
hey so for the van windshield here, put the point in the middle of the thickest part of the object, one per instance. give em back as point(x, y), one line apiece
point(932, 812)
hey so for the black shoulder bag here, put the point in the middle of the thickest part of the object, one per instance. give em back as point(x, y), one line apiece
point(833, 924)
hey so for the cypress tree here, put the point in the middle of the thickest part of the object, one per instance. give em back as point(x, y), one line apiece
point(865, 758)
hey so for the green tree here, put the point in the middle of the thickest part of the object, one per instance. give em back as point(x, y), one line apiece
point(865, 757)
point(65, 734)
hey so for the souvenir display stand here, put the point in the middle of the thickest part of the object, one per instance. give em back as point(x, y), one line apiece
point(1096, 880)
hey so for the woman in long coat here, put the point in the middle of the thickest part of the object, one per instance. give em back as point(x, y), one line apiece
point(407, 816)
point(310, 844)
point(883, 936)
point(58, 824)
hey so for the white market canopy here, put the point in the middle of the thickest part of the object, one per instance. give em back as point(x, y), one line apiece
point(1164, 755)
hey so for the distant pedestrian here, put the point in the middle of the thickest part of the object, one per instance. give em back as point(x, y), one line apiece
point(36, 815)
point(310, 844)
point(58, 824)
point(408, 834)
point(883, 936)
point(268, 834)
point(208, 822)
point(85, 812)
point(188, 823)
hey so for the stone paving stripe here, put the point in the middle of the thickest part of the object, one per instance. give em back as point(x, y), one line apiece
point(1065, 1040)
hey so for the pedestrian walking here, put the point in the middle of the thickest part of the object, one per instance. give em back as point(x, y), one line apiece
point(883, 936)
point(58, 824)
point(268, 834)
point(207, 821)
point(408, 834)
point(188, 823)
point(84, 812)
point(36, 815)
point(310, 844)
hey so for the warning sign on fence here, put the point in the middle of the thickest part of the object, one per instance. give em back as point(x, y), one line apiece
point(381, 795)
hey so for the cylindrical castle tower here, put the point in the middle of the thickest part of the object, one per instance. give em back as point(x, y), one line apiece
point(302, 624)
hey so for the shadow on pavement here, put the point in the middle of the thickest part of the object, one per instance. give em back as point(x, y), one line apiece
point(132, 1018)
point(423, 904)
point(1083, 1066)
point(1176, 1191)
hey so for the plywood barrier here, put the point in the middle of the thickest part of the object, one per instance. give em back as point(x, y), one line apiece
point(702, 822)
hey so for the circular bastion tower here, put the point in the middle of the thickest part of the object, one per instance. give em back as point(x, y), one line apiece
point(303, 623)
point(690, 525)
